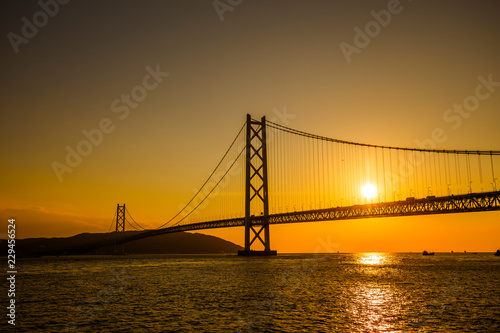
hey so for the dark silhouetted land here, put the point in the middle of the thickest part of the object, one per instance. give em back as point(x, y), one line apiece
point(104, 243)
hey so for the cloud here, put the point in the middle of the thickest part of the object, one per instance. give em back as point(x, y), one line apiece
point(41, 222)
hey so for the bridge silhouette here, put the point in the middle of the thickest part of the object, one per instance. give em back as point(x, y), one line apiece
point(273, 174)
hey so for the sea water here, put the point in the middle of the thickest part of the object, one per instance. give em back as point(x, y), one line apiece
point(363, 292)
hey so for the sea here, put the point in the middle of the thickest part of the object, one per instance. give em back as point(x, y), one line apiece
point(360, 292)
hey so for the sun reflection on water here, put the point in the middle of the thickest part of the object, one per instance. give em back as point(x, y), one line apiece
point(372, 308)
point(373, 300)
point(372, 258)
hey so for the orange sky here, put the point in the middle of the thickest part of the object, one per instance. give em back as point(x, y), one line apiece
point(262, 57)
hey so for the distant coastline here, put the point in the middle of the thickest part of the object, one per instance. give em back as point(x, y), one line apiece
point(104, 244)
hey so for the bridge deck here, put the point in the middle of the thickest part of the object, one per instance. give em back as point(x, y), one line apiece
point(475, 202)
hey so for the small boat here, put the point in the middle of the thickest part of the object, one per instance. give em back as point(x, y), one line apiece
point(497, 253)
point(425, 253)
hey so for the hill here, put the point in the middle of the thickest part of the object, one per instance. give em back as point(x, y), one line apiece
point(103, 243)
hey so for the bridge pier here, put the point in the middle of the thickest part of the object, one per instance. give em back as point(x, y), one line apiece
point(256, 189)
point(252, 253)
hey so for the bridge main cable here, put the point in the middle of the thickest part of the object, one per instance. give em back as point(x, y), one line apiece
point(208, 194)
point(206, 182)
point(324, 138)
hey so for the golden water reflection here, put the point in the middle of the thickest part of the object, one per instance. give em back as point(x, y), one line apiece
point(374, 303)
point(373, 258)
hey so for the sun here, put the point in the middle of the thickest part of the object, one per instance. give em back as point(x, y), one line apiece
point(369, 191)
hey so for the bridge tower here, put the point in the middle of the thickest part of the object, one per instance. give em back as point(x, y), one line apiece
point(120, 218)
point(256, 189)
point(120, 227)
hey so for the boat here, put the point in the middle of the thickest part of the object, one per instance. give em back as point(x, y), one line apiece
point(497, 253)
point(425, 253)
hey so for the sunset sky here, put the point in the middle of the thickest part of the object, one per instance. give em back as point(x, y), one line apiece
point(198, 67)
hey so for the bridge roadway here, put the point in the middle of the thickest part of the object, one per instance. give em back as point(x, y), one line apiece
point(474, 202)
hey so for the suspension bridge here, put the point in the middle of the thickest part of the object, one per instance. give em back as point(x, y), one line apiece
point(273, 174)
